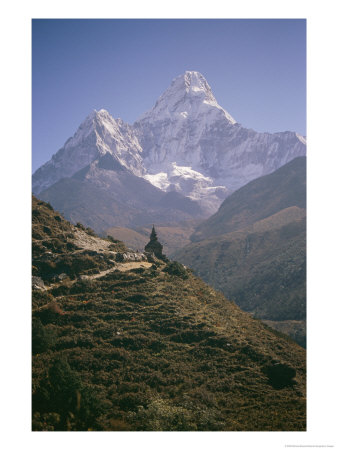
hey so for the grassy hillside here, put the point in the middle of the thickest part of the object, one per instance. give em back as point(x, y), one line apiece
point(257, 200)
point(122, 342)
point(262, 268)
point(254, 248)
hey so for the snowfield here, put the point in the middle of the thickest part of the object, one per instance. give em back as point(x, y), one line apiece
point(186, 143)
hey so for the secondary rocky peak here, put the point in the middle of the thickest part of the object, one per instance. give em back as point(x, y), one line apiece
point(99, 134)
point(100, 118)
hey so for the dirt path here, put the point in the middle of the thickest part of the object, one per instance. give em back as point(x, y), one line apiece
point(123, 267)
point(133, 265)
point(86, 242)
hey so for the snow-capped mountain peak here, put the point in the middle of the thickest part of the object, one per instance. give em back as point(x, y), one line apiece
point(99, 134)
point(188, 96)
point(194, 84)
point(186, 143)
point(187, 128)
point(96, 121)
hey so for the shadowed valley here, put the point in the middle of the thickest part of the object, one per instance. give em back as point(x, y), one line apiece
point(254, 249)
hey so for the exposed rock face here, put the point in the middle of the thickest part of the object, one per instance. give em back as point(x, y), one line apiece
point(189, 136)
point(187, 143)
point(97, 136)
point(38, 284)
point(106, 194)
point(131, 256)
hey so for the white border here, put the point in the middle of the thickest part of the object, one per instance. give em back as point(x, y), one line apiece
point(15, 222)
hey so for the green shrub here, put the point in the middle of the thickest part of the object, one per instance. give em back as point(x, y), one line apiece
point(43, 337)
point(83, 286)
point(90, 231)
point(47, 230)
point(112, 239)
point(138, 270)
point(119, 257)
point(49, 206)
point(45, 421)
point(60, 290)
point(77, 407)
point(70, 246)
point(130, 401)
point(136, 298)
point(280, 375)
point(160, 415)
point(49, 313)
point(41, 298)
point(80, 226)
point(177, 269)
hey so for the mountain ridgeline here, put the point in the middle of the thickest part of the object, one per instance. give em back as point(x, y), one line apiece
point(123, 340)
point(187, 147)
point(254, 249)
point(105, 194)
point(258, 200)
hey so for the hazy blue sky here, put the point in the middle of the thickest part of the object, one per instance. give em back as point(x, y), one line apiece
point(256, 69)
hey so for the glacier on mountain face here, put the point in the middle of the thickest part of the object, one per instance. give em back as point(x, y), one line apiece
point(186, 143)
